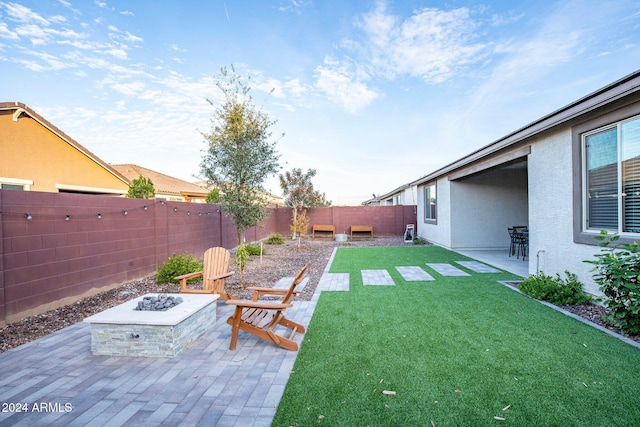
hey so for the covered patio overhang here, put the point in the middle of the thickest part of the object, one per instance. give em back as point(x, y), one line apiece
point(487, 198)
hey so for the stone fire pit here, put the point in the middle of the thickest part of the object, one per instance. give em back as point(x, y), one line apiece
point(125, 331)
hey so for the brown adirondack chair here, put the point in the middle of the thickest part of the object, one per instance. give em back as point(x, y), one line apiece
point(214, 273)
point(260, 318)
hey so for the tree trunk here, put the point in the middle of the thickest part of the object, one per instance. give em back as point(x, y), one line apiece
point(295, 219)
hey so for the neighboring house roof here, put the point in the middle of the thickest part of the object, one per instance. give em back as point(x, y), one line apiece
point(19, 109)
point(394, 192)
point(164, 184)
point(271, 198)
point(609, 94)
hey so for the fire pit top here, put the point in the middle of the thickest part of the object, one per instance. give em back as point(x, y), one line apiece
point(125, 313)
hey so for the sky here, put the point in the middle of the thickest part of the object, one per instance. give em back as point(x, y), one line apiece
point(370, 94)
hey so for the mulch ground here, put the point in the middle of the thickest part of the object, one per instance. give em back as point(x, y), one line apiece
point(278, 261)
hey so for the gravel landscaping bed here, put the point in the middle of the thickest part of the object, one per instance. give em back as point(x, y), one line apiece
point(278, 261)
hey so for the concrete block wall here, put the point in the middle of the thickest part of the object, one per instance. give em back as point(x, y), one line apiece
point(48, 261)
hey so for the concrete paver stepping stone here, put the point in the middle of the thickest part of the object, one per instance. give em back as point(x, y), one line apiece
point(414, 274)
point(478, 267)
point(334, 282)
point(377, 277)
point(447, 269)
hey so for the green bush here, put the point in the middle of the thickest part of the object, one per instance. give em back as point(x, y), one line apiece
point(275, 239)
point(420, 241)
point(617, 272)
point(554, 289)
point(177, 265)
point(254, 249)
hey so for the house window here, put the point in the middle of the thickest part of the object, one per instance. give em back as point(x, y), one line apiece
point(15, 184)
point(430, 203)
point(612, 177)
point(12, 187)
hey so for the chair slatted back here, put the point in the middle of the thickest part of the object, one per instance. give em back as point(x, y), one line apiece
point(296, 281)
point(216, 262)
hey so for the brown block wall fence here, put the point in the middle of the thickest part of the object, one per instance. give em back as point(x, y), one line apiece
point(49, 261)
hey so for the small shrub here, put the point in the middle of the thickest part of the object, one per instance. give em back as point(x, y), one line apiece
point(254, 249)
point(275, 239)
point(300, 225)
point(617, 272)
point(554, 289)
point(177, 265)
point(242, 255)
point(420, 241)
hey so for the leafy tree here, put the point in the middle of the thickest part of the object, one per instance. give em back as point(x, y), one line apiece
point(213, 196)
point(239, 157)
point(242, 255)
point(141, 188)
point(299, 194)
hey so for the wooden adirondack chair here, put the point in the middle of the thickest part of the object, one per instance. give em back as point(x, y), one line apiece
point(214, 273)
point(260, 318)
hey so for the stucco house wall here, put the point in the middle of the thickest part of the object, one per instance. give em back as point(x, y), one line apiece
point(438, 231)
point(486, 205)
point(552, 247)
point(36, 152)
point(534, 177)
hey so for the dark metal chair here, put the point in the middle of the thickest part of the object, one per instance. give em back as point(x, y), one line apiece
point(519, 236)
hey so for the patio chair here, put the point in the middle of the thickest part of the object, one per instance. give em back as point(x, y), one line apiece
point(261, 318)
point(513, 237)
point(519, 236)
point(214, 273)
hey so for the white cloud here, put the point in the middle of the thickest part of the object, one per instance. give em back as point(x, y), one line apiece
point(35, 33)
point(295, 88)
point(432, 44)
point(343, 87)
point(117, 53)
point(6, 33)
point(294, 5)
point(129, 89)
point(19, 13)
point(132, 38)
point(176, 48)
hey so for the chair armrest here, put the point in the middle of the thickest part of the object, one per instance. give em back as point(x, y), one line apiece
point(258, 304)
point(273, 291)
point(268, 291)
point(183, 279)
point(189, 275)
point(221, 276)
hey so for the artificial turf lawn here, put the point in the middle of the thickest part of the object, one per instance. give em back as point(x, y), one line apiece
point(457, 351)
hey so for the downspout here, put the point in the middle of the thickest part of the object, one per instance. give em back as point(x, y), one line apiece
point(538, 261)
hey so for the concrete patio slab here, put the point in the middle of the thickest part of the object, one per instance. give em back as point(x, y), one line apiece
point(477, 267)
point(377, 278)
point(447, 269)
point(414, 274)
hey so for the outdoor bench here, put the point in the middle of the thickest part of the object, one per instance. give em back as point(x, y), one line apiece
point(362, 229)
point(324, 228)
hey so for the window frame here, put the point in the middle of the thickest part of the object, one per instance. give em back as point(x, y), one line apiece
point(597, 122)
point(426, 192)
point(17, 182)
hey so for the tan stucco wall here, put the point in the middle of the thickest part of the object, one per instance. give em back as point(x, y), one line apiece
point(30, 151)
